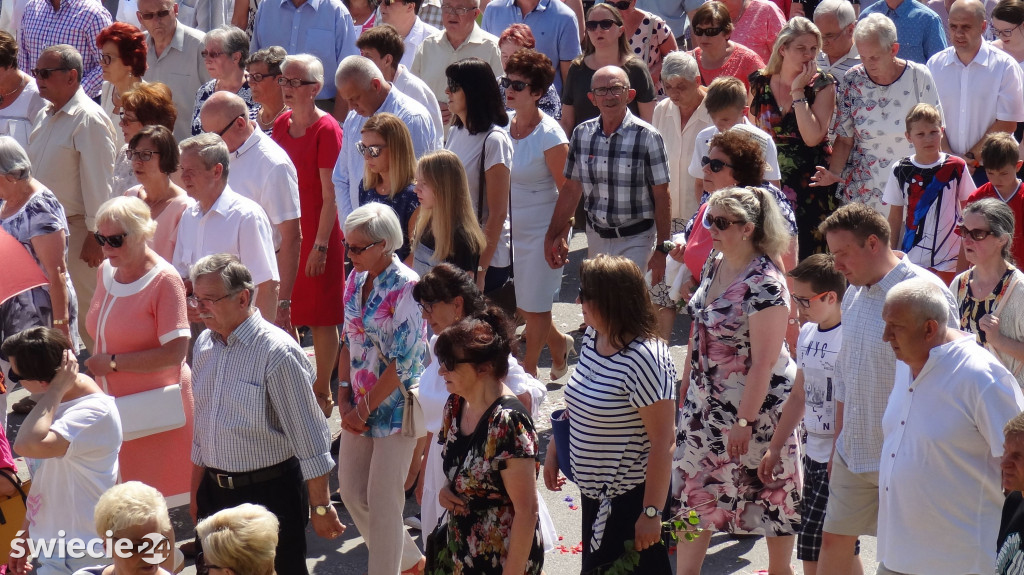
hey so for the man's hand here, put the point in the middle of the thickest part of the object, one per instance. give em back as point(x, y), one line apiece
point(327, 526)
point(656, 265)
point(92, 253)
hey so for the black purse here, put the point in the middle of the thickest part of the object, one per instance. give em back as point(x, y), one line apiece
point(437, 551)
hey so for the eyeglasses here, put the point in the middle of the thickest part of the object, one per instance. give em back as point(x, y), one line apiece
point(709, 32)
point(452, 86)
point(141, 155)
point(1004, 33)
point(372, 151)
point(451, 363)
point(353, 250)
point(517, 85)
point(126, 118)
point(830, 37)
point(605, 24)
point(157, 14)
point(194, 302)
point(427, 307)
point(720, 222)
point(113, 241)
point(609, 91)
point(714, 165)
point(211, 55)
point(230, 125)
point(44, 73)
point(106, 59)
point(456, 10)
point(805, 302)
point(622, 4)
point(257, 77)
point(293, 82)
point(976, 235)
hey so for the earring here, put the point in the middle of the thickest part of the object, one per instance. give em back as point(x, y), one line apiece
point(744, 238)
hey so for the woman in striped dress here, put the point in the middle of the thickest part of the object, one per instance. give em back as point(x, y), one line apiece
point(621, 407)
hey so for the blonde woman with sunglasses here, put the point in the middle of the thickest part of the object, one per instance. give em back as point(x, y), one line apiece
point(388, 175)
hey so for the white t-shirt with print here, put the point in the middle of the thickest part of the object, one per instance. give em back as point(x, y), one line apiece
point(816, 355)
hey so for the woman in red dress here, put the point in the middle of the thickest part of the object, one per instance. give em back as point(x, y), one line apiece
point(312, 139)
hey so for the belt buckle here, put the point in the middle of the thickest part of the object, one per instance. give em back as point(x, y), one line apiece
point(230, 482)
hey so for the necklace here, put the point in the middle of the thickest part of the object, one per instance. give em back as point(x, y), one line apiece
point(266, 125)
point(520, 130)
point(21, 85)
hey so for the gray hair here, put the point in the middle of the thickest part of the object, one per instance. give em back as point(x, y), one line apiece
point(377, 222)
point(129, 504)
point(273, 57)
point(357, 69)
point(14, 159)
point(841, 9)
point(211, 149)
point(232, 272)
point(311, 64)
point(999, 218)
point(70, 57)
point(131, 213)
point(679, 64)
point(876, 28)
point(923, 298)
point(233, 40)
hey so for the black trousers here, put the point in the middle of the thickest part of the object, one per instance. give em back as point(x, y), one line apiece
point(626, 509)
point(285, 497)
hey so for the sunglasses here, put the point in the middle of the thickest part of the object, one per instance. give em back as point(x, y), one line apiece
point(609, 90)
point(583, 295)
point(709, 32)
point(517, 85)
point(230, 125)
point(976, 235)
point(453, 87)
point(293, 82)
point(451, 363)
point(257, 77)
point(44, 73)
point(12, 376)
point(605, 24)
point(714, 165)
point(805, 302)
point(157, 14)
point(106, 59)
point(112, 241)
point(353, 250)
point(372, 151)
point(142, 155)
point(720, 222)
point(622, 4)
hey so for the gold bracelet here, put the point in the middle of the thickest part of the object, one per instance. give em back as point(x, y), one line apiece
point(60, 322)
point(364, 402)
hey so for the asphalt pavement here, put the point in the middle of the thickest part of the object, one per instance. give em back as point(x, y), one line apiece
point(347, 555)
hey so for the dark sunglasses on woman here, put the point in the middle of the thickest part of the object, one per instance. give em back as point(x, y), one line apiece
point(719, 222)
point(714, 165)
point(605, 24)
point(976, 235)
point(709, 32)
point(113, 241)
point(517, 85)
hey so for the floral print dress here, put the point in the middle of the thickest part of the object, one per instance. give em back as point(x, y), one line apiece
point(727, 492)
point(797, 160)
point(473, 465)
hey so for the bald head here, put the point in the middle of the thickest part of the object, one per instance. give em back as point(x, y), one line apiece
point(224, 105)
point(967, 23)
point(608, 75)
point(972, 8)
point(226, 114)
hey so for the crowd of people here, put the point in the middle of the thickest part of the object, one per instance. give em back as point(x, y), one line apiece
point(830, 192)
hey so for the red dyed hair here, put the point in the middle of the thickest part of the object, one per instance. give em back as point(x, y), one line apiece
point(519, 34)
point(131, 45)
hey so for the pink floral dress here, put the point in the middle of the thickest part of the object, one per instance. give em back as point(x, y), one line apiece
point(726, 492)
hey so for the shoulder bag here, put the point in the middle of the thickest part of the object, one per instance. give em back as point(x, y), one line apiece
point(504, 296)
point(12, 510)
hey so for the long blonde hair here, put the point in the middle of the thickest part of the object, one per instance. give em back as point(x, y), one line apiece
point(793, 29)
point(401, 158)
point(443, 172)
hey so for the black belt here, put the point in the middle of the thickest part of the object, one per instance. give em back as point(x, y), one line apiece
point(623, 231)
point(226, 480)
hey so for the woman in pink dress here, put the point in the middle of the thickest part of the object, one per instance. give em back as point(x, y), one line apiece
point(312, 139)
point(138, 321)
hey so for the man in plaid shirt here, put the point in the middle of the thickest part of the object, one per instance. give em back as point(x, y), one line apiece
point(619, 164)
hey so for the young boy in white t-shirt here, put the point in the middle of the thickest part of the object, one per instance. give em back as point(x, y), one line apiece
point(817, 290)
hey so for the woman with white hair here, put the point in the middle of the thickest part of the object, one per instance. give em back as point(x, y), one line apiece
point(679, 118)
point(225, 52)
point(383, 352)
point(133, 511)
point(240, 540)
point(312, 139)
point(876, 96)
point(138, 321)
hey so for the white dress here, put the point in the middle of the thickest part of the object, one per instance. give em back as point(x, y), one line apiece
point(16, 120)
point(433, 396)
point(107, 103)
point(534, 195)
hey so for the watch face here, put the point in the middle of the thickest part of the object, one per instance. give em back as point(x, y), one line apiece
point(651, 511)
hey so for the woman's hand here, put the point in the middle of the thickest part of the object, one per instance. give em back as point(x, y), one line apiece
point(553, 478)
point(647, 532)
point(766, 470)
point(20, 565)
point(822, 177)
point(352, 421)
point(989, 325)
point(677, 252)
point(481, 277)
point(738, 440)
point(99, 364)
point(316, 263)
point(453, 503)
point(804, 78)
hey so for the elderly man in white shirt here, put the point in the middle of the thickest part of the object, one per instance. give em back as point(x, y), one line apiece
point(263, 172)
point(223, 221)
point(981, 88)
point(940, 492)
point(384, 47)
point(404, 16)
point(362, 85)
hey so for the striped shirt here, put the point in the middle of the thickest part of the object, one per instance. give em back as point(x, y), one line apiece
point(617, 171)
point(609, 443)
point(77, 23)
point(254, 402)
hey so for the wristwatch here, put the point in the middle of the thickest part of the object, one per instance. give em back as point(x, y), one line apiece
point(742, 422)
point(284, 303)
point(113, 362)
point(651, 511)
point(320, 510)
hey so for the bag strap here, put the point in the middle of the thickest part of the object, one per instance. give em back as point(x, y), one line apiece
point(15, 482)
point(1006, 295)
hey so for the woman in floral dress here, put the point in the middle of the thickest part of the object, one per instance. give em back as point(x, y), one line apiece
point(741, 375)
point(489, 453)
point(793, 101)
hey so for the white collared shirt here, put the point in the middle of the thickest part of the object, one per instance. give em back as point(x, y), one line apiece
point(233, 225)
point(411, 85)
point(420, 30)
point(262, 171)
point(840, 66)
point(990, 88)
point(940, 496)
